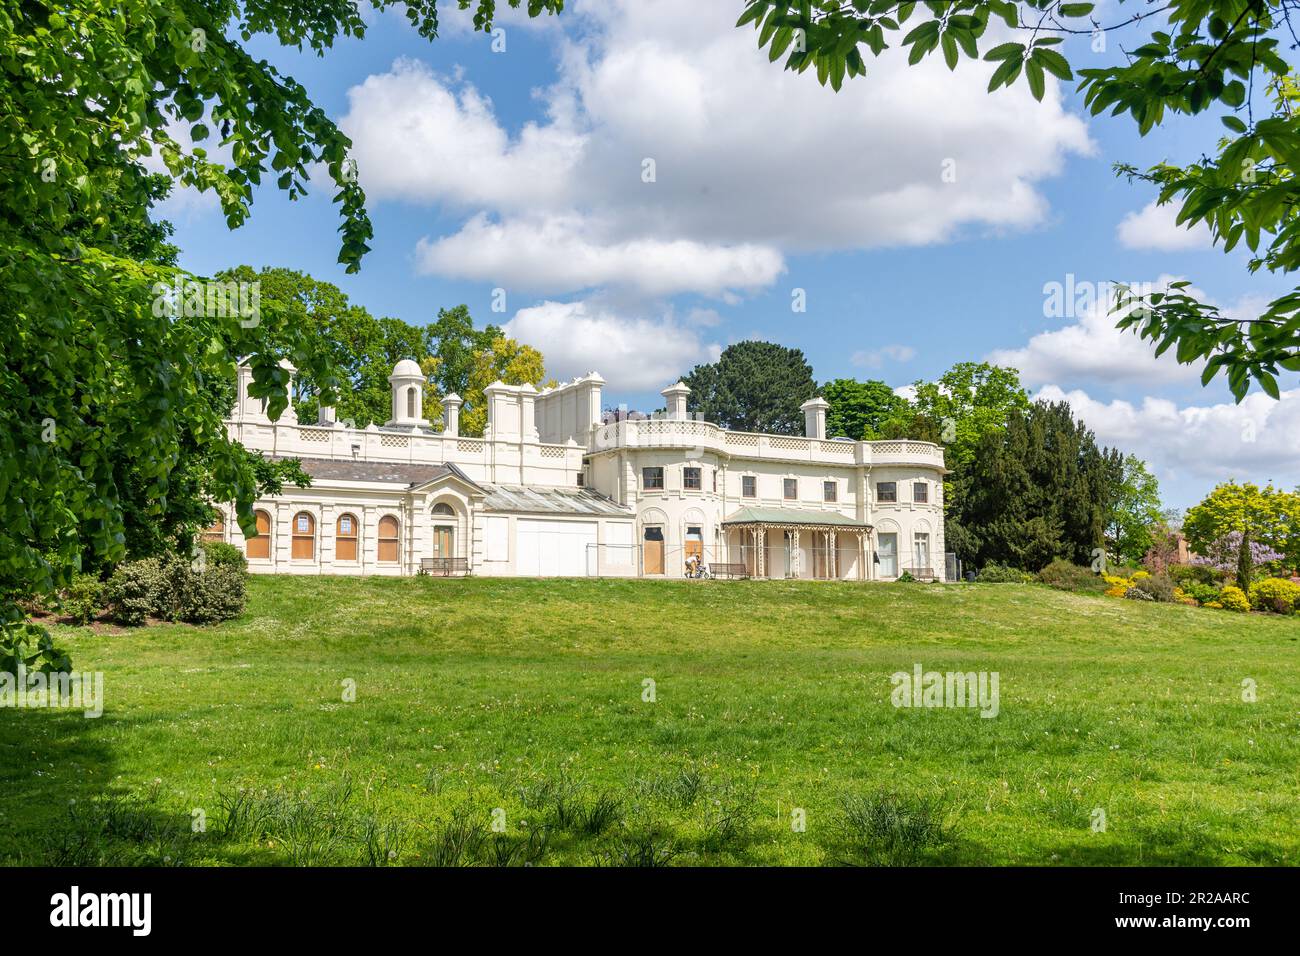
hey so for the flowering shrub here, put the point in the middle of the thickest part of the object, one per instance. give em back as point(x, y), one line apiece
point(1275, 594)
point(1116, 586)
point(1233, 598)
point(1151, 587)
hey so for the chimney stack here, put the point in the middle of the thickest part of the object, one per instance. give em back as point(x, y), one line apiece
point(814, 417)
point(675, 399)
point(451, 414)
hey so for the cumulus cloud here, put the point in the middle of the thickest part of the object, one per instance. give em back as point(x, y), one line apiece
point(1093, 350)
point(1195, 446)
point(875, 358)
point(1156, 228)
point(632, 353)
point(420, 137)
point(749, 162)
point(566, 253)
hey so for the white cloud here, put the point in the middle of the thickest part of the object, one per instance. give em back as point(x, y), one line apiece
point(1093, 350)
point(1197, 446)
point(875, 358)
point(633, 354)
point(563, 254)
point(415, 137)
point(750, 161)
point(1156, 228)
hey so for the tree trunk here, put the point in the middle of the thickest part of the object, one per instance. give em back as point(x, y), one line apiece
point(1244, 563)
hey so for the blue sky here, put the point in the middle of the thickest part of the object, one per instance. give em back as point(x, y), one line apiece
point(522, 170)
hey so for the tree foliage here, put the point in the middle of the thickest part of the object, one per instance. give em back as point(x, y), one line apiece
point(1136, 517)
point(859, 409)
point(93, 370)
point(1251, 516)
point(1179, 58)
point(753, 387)
point(1040, 489)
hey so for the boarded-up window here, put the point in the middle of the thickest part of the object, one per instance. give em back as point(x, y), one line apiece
point(345, 538)
point(389, 547)
point(260, 547)
point(215, 531)
point(304, 537)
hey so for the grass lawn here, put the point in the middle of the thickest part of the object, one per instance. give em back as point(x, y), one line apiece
point(772, 704)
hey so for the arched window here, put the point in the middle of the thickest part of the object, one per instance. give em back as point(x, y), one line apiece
point(410, 403)
point(304, 537)
point(215, 531)
point(444, 509)
point(259, 548)
point(345, 538)
point(388, 539)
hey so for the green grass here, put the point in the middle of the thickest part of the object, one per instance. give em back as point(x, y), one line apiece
point(771, 697)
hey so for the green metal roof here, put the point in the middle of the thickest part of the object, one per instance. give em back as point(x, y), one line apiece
point(793, 516)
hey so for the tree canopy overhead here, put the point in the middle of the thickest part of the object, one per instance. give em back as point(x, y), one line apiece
point(94, 370)
point(1173, 58)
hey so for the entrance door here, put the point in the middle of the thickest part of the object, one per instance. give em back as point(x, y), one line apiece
point(652, 549)
point(444, 541)
point(821, 564)
point(694, 543)
point(888, 551)
point(923, 554)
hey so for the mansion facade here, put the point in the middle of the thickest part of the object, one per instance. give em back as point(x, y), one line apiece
point(553, 490)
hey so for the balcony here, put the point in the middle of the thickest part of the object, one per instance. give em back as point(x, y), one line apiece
point(702, 436)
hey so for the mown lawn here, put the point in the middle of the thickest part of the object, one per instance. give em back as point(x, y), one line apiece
point(525, 698)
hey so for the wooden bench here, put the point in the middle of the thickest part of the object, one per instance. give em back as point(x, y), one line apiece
point(722, 569)
point(445, 567)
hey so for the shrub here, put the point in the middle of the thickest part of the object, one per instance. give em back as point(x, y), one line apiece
point(1201, 593)
point(1067, 576)
point(1275, 594)
point(1204, 574)
point(1001, 574)
point(172, 589)
point(906, 578)
point(215, 594)
point(1157, 587)
point(218, 553)
point(84, 598)
point(136, 590)
point(1233, 598)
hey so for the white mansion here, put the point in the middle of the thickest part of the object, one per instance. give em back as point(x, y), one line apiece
point(551, 490)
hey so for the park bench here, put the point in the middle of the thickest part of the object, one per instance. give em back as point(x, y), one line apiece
point(722, 569)
point(444, 567)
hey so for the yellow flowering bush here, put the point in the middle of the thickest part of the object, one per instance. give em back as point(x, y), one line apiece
point(1233, 598)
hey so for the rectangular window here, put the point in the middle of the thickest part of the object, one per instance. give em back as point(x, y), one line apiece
point(830, 491)
point(581, 479)
point(652, 479)
point(748, 486)
point(715, 481)
point(791, 488)
point(920, 492)
point(692, 479)
point(886, 491)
